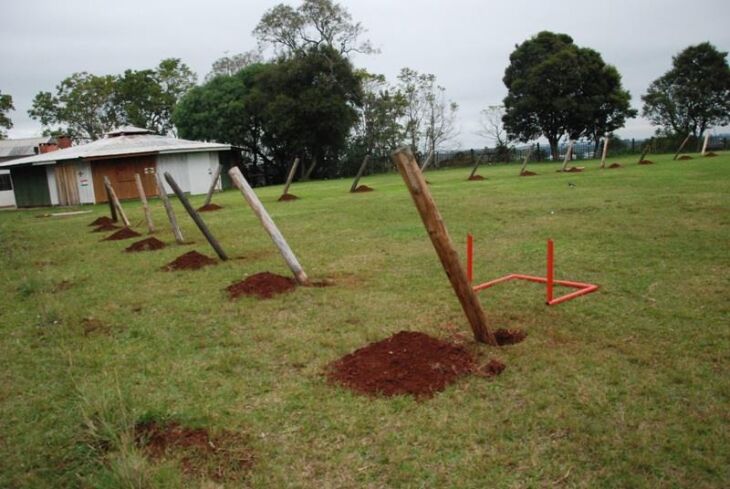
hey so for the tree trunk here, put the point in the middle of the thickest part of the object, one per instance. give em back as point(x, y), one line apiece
point(554, 152)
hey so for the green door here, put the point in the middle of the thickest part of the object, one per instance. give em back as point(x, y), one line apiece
point(31, 186)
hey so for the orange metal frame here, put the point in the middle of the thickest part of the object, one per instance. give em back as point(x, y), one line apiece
point(549, 281)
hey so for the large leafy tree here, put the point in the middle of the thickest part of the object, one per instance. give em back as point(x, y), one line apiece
point(694, 95)
point(555, 87)
point(378, 131)
point(230, 65)
point(611, 105)
point(6, 105)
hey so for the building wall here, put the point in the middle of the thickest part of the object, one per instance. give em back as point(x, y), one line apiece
point(7, 197)
point(52, 190)
point(85, 183)
point(191, 171)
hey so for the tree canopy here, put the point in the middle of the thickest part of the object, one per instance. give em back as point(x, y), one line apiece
point(6, 105)
point(692, 96)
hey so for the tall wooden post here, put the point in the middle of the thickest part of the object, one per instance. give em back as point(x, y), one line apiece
point(427, 162)
point(413, 178)
point(527, 158)
point(704, 145)
point(476, 165)
point(309, 171)
point(112, 209)
point(213, 183)
point(268, 224)
point(196, 217)
point(681, 146)
point(645, 151)
point(289, 178)
point(605, 151)
point(168, 209)
point(115, 200)
point(360, 171)
point(568, 155)
point(145, 206)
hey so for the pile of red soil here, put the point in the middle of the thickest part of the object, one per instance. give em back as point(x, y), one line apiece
point(363, 188)
point(710, 154)
point(209, 208)
point(406, 363)
point(107, 226)
point(527, 173)
point(491, 368)
point(475, 177)
point(124, 233)
point(192, 260)
point(685, 157)
point(574, 169)
point(263, 285)
point(287, 197)
point(509, 336)
point(646, 162)
point(220, 457)
point(101, 220)
point(615, 165)
point(149, 244)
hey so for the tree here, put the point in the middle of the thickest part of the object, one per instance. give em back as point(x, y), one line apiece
point(491, 126)
point(6, 105)
point(378, 130)
point(612, 106)
point(314, 24)
point(692, 96)
point(555, 87)
point(230, 65)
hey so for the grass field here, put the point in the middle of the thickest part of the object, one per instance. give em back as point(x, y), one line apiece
point(626, 387)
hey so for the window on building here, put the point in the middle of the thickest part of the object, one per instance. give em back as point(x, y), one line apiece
point(5, 183)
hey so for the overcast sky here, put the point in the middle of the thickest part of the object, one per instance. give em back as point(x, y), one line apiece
point(465, 43)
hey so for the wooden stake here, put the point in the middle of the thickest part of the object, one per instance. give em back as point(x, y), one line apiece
point(605, 151)
point(213, 183)
point(196, 217)
point(168, 208)
point(310, 169)
point(268, 224)
point(681, 146)
point(112, 209)
point(360, 171)
point(704, 145)
point(145, 207)
point(113, 195)
point(427, 162)
point(645, 151)
point(476, 166)
point(289, 179)
point(568, 154)
point(527, 158)
point(413, 178)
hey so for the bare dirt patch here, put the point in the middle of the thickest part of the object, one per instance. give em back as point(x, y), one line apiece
point(509, 336)
point(124, 233)
point(287, 197)
point(527, 173)
point(149, 244)
point(209, 208)
point(104, 227)
point(192, 260)
point(646, 162)
point(92, 325)
point(474, 178)
point(684, 157)
point(263, 285)
point(490, 369)
point(363, 188)
point(710, 155)
point(574, 169)
point(62, 285)
point(615, 165)
point(101, 220)
point(224, 456)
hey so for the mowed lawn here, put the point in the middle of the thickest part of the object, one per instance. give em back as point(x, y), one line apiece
point(626, 387)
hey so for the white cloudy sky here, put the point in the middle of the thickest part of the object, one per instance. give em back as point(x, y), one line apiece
point(465, 43)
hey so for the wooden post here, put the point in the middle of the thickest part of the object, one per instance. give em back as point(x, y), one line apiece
point(113, 195)
point(310, 169)
point(645, 151)
point(704, 145)
point(289, 179)
point(527, 158)
point(196, 217)
point(213, 183)
point(568, 154)
point(360, 171)
point(268, 224)
point(476, 166)
point(413, 178)
point(112, 209)
point(427, 162)
point(605, 151)
point(681, 146)
point(145, 207)
point(168, 208)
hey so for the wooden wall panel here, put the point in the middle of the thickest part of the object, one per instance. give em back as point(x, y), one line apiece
point(121, 174)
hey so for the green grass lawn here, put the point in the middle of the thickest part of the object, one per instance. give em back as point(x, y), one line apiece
point(626, 387)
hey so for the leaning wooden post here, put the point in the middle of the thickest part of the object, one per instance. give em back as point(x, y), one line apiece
point(427, 162)
point(605, 151)
point(213, 183)
point(289, 179)
point(168, 209)
point(145, 206)
point(568, 155)
point(476, 166)
point(360, 171)
point(196, 217)
point(527, 158)
point(681, 146)
point(268, 224)
point(309, 171)
point(645, 151)
point(113, 195)
point(704, 145)
point(112, 209)
point(413, 178)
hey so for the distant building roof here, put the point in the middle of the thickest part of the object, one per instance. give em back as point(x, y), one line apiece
point(128, 131)
point(120, 144)
point(19, 148)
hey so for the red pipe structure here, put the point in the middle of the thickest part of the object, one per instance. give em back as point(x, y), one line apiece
point(549, 280)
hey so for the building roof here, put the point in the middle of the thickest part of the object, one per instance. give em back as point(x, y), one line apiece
point(128, 130)
point(18, 148)
point(120, 145)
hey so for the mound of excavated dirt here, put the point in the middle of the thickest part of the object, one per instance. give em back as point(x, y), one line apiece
point(221, 457)
point(101, 220)
point(574, 169)
point(710, 155)
point(685, 157)
point(107, 226)
point(509, 336)
point(615, 165)
point(149, 244)
point(209, 208)
point(363, 188)
point(262, 285)
point(491, 368)
point(287, 197)
point(406, 363)
point(475, 177)
point(124, 233)
point(646, 162)
point(527, 173)
point(192, 260)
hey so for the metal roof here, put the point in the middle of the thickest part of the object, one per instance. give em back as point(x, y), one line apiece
point(128, 130)
point(18, 148)
point(120, 146)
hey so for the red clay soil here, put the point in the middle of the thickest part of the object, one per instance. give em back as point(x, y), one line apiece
point(615, 165)
point(475, 177)
point(149, 244)
point(107, 226)
point(263, 285)
point(406, 363)
point(124, 233)
point(574, 169)
point(101, 220)
point(221, 457)
point(287, 197)
point(685, 157)
point(527, 173)
point(710, 154)
point(363, 188)
point(209, 208)
point(491, 368)
point(192, 260)
point(646, 162)
point(509, 336)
